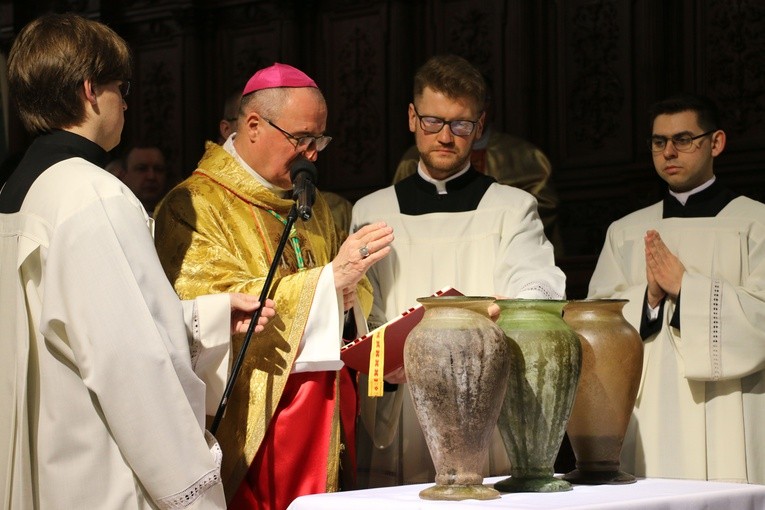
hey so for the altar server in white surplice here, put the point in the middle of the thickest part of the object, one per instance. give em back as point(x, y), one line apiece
point(454, 226)
point(101, 405)
point(693, 268)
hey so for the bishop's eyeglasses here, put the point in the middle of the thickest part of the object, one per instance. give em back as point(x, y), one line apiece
point(307, 142)
point(431, 124)
point(682, 142)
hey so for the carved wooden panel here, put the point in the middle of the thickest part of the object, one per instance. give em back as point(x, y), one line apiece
point(7, 13)
point(253, 36)
point(574, 76)
point(353, 63)
point(595, 83)
point(732, 67)
point(520, 84)
point(156, 110)
point(160, 104)
point(132, 6)
point(473, 30)
point(236, 39)
point(590, 202)
point(87, 8)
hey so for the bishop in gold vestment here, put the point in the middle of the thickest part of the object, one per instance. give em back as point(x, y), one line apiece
point(217, 232)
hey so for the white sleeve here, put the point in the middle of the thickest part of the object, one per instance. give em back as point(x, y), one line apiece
point(107, 294)
point(208, 321)
point(722, 319)
point(526, 267)
point(319, 348)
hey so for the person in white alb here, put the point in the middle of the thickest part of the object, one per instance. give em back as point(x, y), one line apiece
point(693, 269)
point(454, 227)
point(101, 365)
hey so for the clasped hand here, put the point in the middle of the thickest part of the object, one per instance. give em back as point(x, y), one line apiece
point(664, 271)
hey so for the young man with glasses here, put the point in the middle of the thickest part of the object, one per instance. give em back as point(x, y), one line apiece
point(693, 269)
point(219, 230)
point(510, 160)
point(454, 227)
point(101, 365)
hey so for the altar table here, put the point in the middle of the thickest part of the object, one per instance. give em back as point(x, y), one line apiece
point(645, 494)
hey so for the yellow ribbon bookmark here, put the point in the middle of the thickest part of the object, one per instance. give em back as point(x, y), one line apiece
point(377, 363)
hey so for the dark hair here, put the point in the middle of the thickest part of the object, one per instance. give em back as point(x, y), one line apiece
point(454, 77)
point(49, 61)
point(144, 143)
point(707, 114)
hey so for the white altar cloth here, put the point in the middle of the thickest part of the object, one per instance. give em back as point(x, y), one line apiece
point(645, 494)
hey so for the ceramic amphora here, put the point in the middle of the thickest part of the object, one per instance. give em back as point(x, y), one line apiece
point(612, 360)
point(456, 360)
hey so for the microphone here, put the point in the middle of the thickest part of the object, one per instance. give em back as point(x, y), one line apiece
point(303, 174)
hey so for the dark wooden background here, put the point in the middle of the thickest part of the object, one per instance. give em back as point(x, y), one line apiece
point(573, 76)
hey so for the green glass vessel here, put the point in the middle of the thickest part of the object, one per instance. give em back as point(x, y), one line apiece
point(541, 387)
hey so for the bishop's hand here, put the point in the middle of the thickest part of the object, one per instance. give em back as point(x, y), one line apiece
point(357, 254)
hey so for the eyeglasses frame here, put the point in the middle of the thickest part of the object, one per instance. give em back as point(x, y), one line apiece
point(299, 140)
point(444, 122)
point(674, 139)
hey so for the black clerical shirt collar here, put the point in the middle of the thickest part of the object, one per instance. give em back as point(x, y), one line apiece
point(44, 152)
point(703, 204)
point(417, 196)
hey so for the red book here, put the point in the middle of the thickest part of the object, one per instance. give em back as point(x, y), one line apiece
point(356, 353)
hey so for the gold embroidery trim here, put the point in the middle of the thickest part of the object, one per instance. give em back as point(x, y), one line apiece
point(377, 364)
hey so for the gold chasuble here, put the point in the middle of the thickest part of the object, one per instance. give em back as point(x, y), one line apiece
point(217, 232)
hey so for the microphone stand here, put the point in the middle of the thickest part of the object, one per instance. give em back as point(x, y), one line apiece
point(291, 218)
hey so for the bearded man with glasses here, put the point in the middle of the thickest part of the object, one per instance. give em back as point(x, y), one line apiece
point(701, 402)
point(219, 230)
point(454, 227)
point(510, 160)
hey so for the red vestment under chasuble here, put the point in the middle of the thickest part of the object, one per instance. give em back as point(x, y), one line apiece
point(218, 231)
